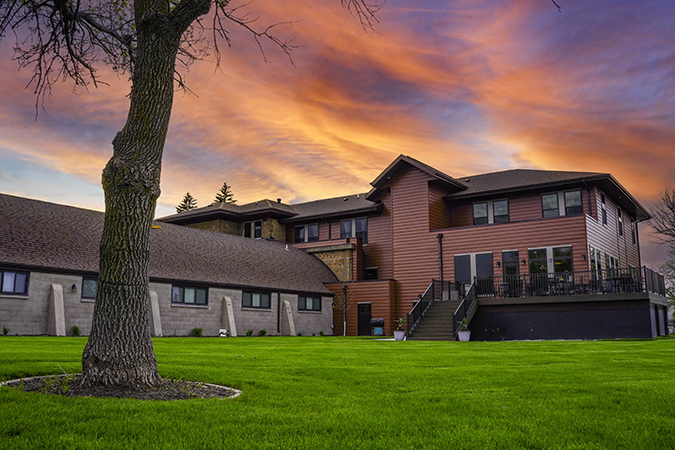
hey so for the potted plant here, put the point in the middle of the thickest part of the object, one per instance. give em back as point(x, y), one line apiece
point(399, 332)
point(464, 333)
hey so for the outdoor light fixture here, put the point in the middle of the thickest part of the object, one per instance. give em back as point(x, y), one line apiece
point(583, 257)
point(523, 262)
point(499, 263)
point(74, 288)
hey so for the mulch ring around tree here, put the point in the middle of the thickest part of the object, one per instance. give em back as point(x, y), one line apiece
point(169, 389)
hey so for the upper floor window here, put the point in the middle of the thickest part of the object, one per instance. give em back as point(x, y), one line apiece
point(549, 205)
point(253, 229)
point(370, 273)
point(633, 232)
point(307, 233)
point(89, 286)
point(603, 208)
point(480, 213)
point(357, 228)
point(573, 203)
point(189, 295)
point(253, 299)
point(500, 209)
point(12, 282)
point(309, 303)
point(620, 219)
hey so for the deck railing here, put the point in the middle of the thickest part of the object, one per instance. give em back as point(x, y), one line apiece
point(437, 290)
point(466, 309)
point(591, 282)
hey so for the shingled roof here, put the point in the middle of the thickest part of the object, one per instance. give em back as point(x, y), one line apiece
point(520, 178)
point(46, 236)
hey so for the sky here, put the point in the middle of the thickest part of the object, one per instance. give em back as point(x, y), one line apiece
point(468, 87)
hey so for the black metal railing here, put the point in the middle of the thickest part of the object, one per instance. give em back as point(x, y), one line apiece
point(437, 291)
point(605, 281)
point(465, 309)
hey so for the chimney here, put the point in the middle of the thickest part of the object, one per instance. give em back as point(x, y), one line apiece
point(278, 200)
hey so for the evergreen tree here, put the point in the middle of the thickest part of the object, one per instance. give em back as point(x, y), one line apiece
point(225, 195)
point(188, 203)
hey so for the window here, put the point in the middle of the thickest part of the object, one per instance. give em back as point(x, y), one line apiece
point(463, 269)
point(603, 207)
point(253, 229)
point(309, 303)
point(480, 213)
point(620, 219)
point(89, 286)
point(510, 263)
point(13, 282)
point(189, 295)
point(252, 299)
point(357, 228)
point(562, 259)
point(611, 262)
point(538, 262)
point(573, 203)
point(633, 232)
point(371, 273)
point(484, 265)
point(549, 205)
point(500, 209)
point(307, 233)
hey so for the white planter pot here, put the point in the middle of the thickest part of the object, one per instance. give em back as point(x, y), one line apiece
point(399, 335)
point(464, 336)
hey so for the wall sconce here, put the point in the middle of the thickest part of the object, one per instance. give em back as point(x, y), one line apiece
point(74, 288)
point(583, 257)
point(499, 263)
point(523, 262)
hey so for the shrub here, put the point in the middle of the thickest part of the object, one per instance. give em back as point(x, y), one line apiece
point(249, 332)
point(321, 333)
point(262, 333)
point(5, 331)
point(196, 332)
point(74, 331)
point(299, 334)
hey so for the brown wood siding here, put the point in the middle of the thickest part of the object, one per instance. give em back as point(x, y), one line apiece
point(439, 216)
point(461, 214)
point(378, 253)
point(380, 294)
point(606, 238)
point(559, 231)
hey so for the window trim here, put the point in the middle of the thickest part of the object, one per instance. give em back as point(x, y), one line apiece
point(13, 291)
point(95, 280)
point(557, 205)
point(182, 288)
point(315, 301)
point(261, 293)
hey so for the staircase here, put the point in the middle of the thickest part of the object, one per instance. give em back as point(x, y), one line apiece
point(436, 325)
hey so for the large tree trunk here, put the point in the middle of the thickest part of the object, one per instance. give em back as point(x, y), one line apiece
point(119, 350)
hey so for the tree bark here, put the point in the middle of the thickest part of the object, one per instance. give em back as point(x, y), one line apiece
point(119, 350)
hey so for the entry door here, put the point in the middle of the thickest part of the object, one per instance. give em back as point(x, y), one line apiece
point(364, 319)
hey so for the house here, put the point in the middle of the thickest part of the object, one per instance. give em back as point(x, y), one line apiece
point(198, 279)
point(519, 254)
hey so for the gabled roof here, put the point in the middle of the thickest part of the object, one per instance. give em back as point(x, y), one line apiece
point(49, 237)
point(402, 161)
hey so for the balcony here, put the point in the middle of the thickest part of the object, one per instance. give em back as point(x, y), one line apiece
point(596, 282)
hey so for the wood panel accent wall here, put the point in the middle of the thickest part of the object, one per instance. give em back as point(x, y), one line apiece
point(439, 215)
point(379, 251)
point(380, 294)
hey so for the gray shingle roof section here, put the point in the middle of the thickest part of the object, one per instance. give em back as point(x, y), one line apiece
point(50, 236)
point(519, 179)
point(333, 206)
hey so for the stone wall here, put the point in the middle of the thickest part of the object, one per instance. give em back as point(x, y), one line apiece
point(220, 226)
point(339, 259)
point(29, 315)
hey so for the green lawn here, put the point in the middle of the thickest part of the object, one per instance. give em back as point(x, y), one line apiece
point(333, 392)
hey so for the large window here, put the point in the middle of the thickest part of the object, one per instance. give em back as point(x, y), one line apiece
point(253, 299)
point(573, 203)
point(189, 295)
point(538, 262)
point(603, 208)
point(309, 303)
point(307, 233)
point(357, 228)
point(510, 263)
point(463, 269)
point(633, 232)
point(500, 209)
point(620, 219)
point(562, 259)
point(549, 205)
point(253, 229)
point(12, 282)
point(480, 213)
point(89, 286)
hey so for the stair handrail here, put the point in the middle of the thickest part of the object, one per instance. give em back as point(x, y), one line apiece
point(465, 309)
point(424, 301)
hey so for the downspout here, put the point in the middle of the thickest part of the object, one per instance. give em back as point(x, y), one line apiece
point(440, 256)
point(278, 312)
point(344, 310)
